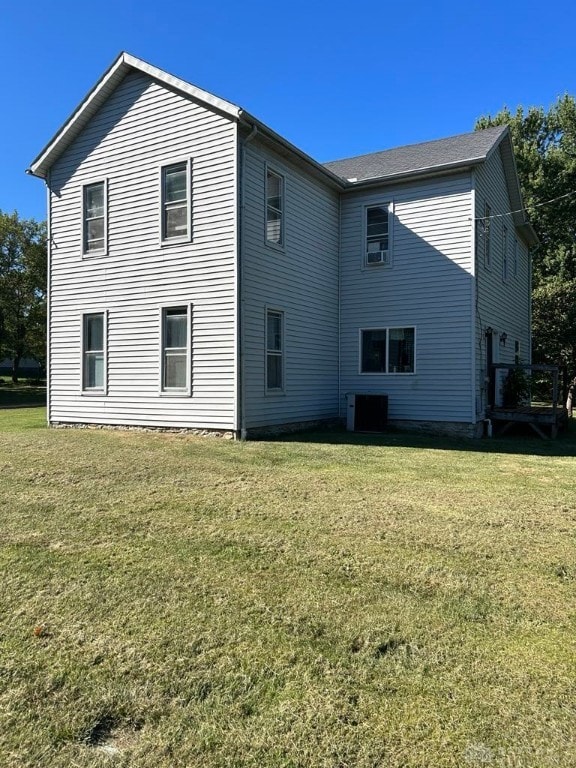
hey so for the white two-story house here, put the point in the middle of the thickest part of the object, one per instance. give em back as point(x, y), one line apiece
point(204, 273)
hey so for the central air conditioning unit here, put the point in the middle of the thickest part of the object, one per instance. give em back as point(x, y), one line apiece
point(378, 257)
point(367, 412)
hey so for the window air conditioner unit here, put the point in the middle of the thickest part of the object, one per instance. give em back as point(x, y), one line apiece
point(378, 257)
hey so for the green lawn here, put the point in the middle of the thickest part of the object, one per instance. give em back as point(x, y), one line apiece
point(327, 600)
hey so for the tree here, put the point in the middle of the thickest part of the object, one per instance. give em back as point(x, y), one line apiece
point(545, 148)
point(23, 259)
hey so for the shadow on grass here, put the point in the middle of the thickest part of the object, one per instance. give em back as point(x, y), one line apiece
point(519, 440)
point(22, 396)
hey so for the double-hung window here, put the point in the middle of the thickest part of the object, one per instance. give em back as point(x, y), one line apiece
point(274, 350)
point(387, 350)
point(94, 352)
point(505, 267)
point(274, 208)
point(176, 208)
point(176, 350)
point(94, 227)
point(486, 234)
point(378, 250)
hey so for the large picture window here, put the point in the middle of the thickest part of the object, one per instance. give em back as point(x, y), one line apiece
point(274, 350)
point(176, 349)
point(94, 352)
point(94, 218)
point(274, 208)
point(387, 350)
point(176, 223)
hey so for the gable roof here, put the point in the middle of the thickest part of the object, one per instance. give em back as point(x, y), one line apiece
point(441, 156)
point(102, 90)
point(429, 156)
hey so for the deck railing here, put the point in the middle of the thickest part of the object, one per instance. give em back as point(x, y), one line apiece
point(558, 386)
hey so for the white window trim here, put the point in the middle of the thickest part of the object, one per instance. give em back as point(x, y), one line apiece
point(280, 391)
point(389, 204)
point(103, 251)
point(515, 255)
point(187, 238)
point(386, 328)
point(94, 391)
point(181, 391)
point(271, 243)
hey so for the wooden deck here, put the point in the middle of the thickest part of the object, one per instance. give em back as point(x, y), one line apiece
point(546, 421)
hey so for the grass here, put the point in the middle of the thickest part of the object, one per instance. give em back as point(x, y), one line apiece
point(322, 601)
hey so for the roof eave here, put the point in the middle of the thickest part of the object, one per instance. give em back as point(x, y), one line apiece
point(523, 226)
point(433, 170)
point(293, 151)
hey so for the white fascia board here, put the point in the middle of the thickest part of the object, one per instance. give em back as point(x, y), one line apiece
point(198, 94)
point(100, 92)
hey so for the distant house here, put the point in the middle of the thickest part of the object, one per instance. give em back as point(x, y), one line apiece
point(205, 273)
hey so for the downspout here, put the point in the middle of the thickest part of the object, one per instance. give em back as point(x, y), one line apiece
point(340, 305)
point(473, 299)
point(48, 293)
point(240, 300)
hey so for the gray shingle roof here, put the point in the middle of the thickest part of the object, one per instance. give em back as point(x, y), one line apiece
point(430, 155)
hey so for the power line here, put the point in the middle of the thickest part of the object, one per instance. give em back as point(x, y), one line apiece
point(522, 210)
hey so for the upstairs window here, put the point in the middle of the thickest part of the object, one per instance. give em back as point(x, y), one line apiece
point(94, 224)
point(377, 235)
point(274, 208)
point(505, 266)
point(94, 352)
point(274, 350)
point(176, 224)
point(387, 350)
point(486, 233)
point(176, 350)
point(515, 259)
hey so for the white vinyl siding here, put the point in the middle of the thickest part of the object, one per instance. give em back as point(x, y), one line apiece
point(430, 288)
point(303, 284)
point(503, 305)
point(141, 128)
point(94, 219)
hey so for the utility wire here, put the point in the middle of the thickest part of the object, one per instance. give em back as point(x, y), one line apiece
point(523, 210)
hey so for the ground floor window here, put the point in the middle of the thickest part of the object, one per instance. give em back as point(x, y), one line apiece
point(94, 352)
point(176, 349)
point(274, 350)
point(387, 350)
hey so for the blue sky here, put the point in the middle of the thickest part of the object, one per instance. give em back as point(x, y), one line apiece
point(337, 79)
